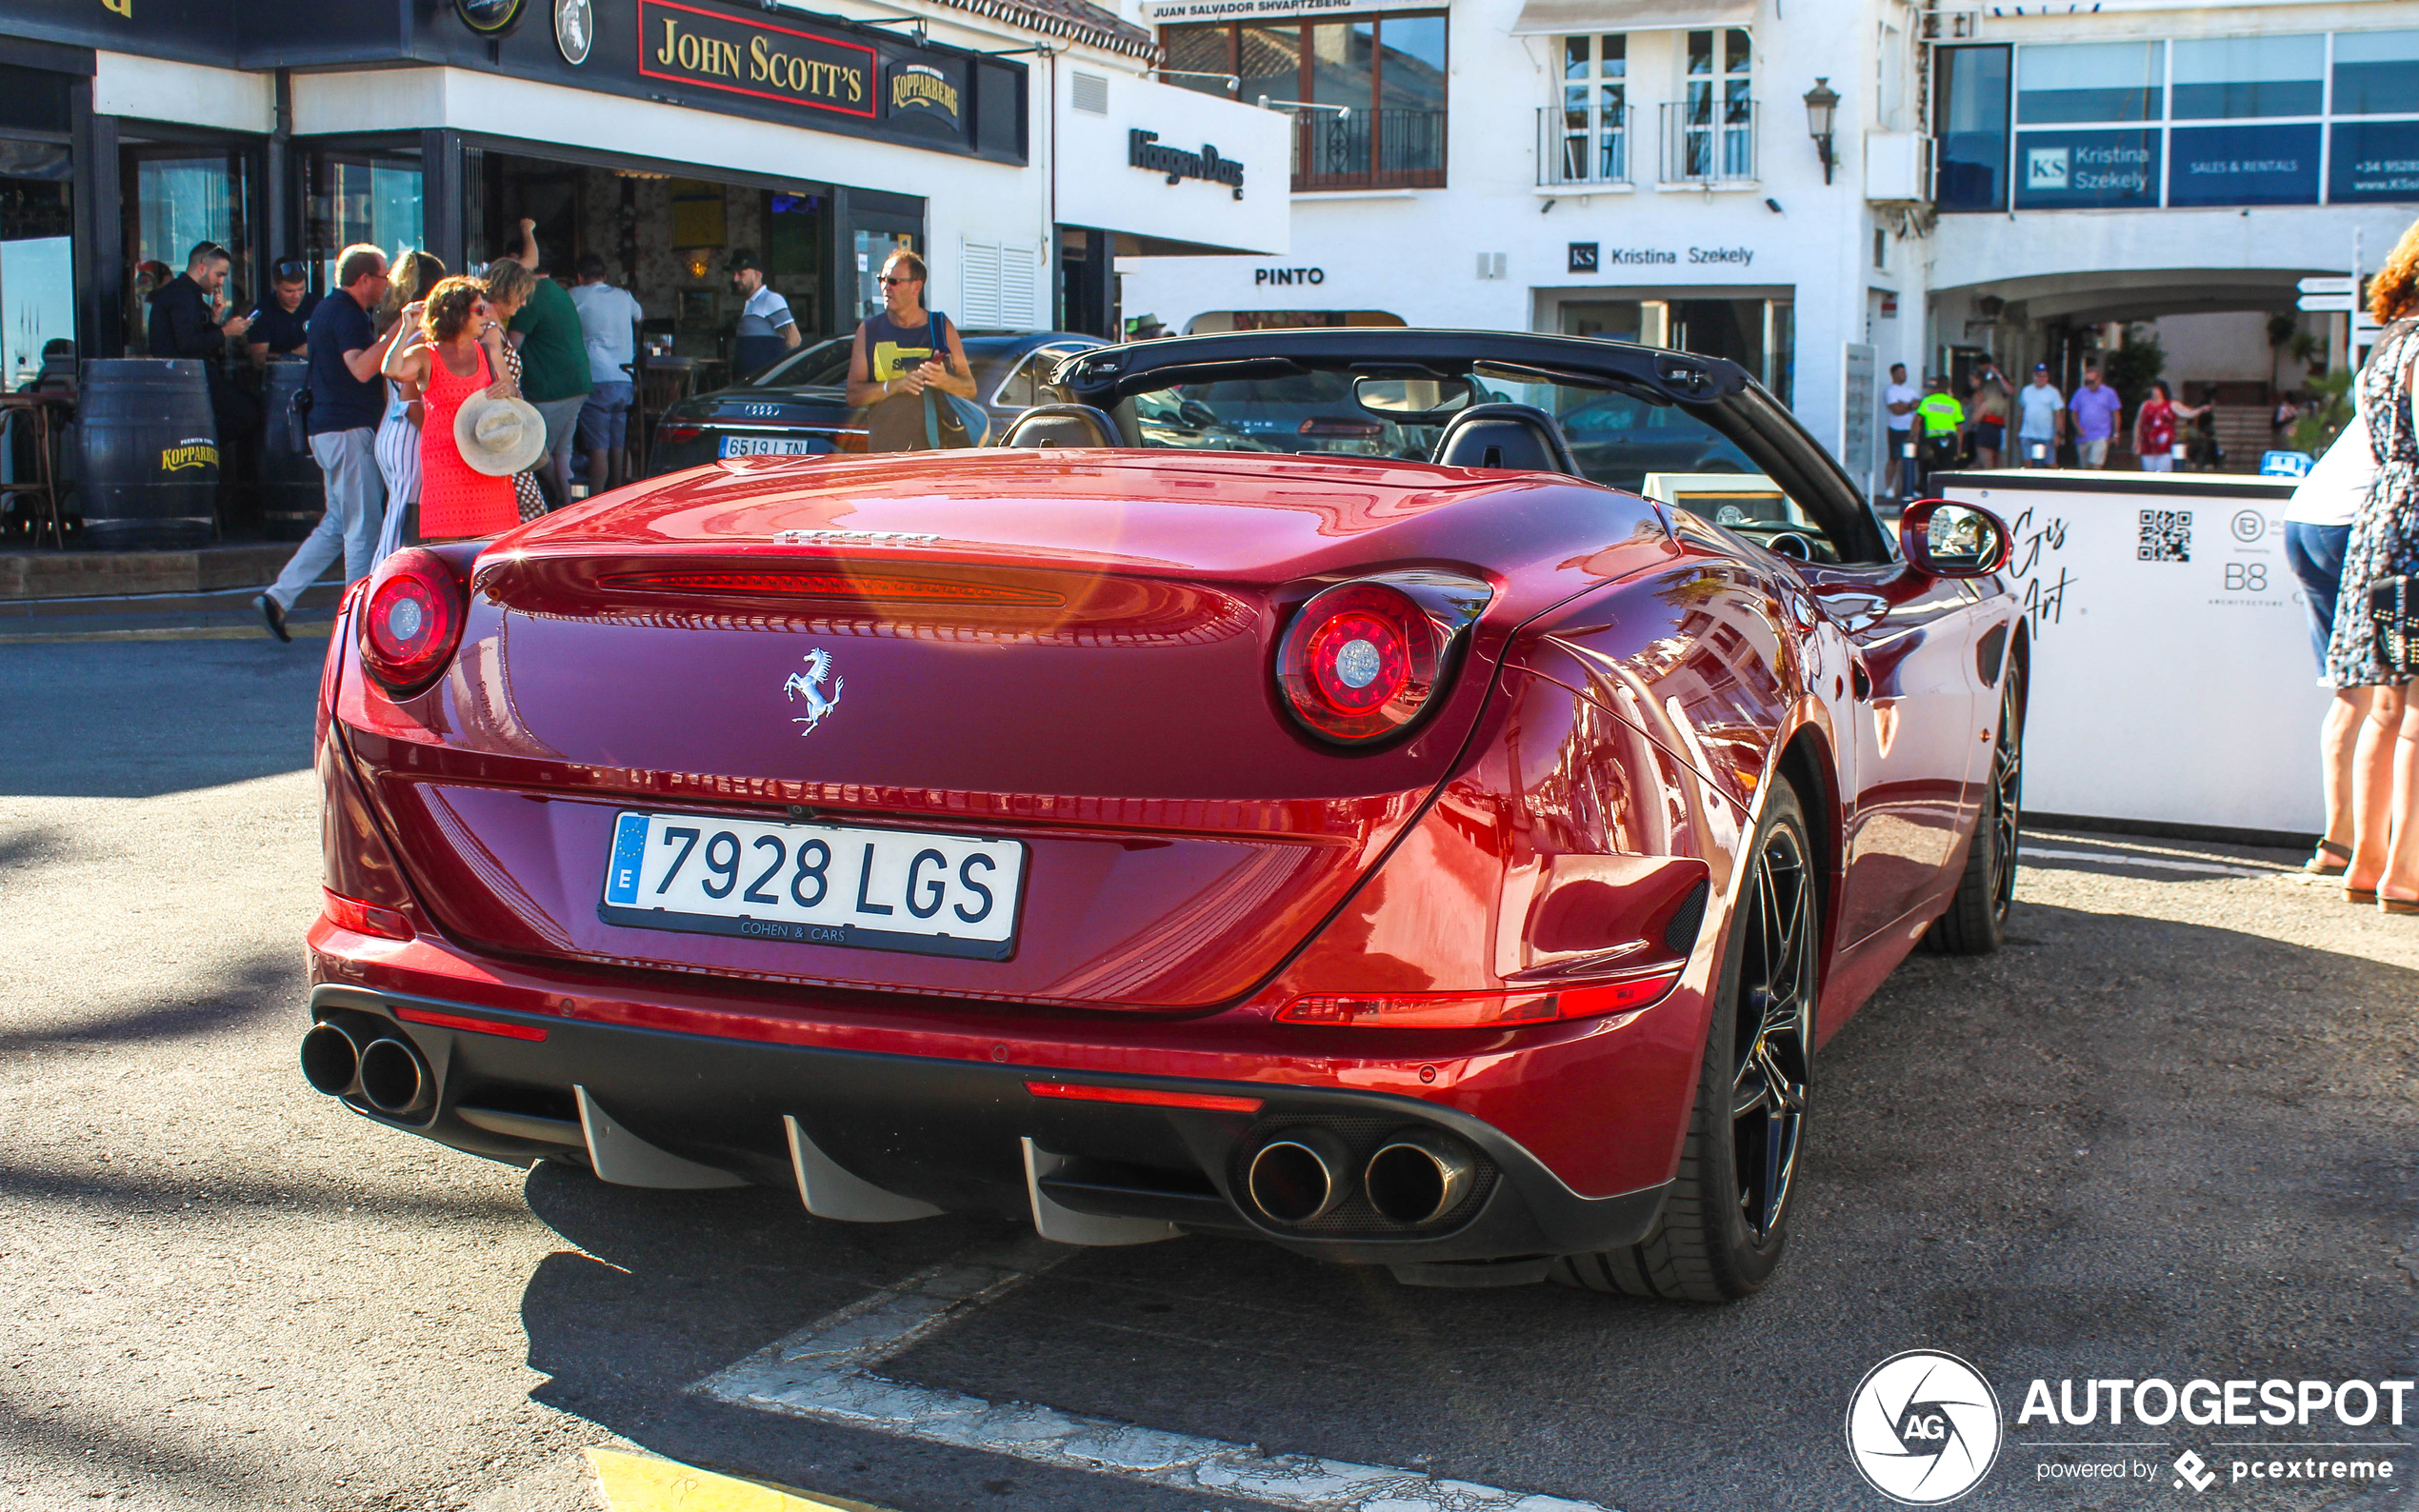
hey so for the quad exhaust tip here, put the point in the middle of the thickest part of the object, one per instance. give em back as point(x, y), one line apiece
point(1417, 1177)
point(1300, 1176)
point(331, 1060)
point(393, 1081)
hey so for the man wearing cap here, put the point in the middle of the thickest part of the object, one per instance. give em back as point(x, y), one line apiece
point(766, 330)
point(2041, 419)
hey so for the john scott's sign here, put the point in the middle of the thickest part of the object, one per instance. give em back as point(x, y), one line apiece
point(752, 57)
point(1144, 151)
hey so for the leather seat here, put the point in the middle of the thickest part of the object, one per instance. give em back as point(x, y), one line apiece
point(1062, 425)
point(1518, 438)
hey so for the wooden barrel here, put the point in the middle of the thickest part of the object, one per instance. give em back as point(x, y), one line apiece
point(292, 493)
point(149, 453)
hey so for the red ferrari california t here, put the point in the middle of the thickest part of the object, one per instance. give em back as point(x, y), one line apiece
point(1283, 789)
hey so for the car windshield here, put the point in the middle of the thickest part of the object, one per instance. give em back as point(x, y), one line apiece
point(825, 365)
point(1619, 439)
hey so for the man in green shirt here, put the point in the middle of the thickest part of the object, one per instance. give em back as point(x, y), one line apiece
point(1942, 418)
point(553, 360)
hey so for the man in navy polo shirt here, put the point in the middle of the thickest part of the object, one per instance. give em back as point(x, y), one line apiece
point(348, 400)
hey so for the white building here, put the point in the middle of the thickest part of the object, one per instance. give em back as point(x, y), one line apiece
point(1647, 168)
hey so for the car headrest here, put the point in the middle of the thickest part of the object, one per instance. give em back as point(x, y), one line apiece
point(1520, 438)
point(1062, 425)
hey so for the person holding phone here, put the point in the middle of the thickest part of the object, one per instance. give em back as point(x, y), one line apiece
point(901, 353)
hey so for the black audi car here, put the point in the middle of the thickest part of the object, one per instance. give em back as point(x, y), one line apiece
point(799, 406)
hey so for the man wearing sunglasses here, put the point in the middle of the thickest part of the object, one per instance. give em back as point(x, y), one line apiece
point(900, 353)
point(282, 327)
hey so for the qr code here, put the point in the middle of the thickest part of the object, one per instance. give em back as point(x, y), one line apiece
point(2166, 536)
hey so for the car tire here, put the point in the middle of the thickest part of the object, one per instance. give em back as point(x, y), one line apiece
point(1725, 1219)
point(1976, 922)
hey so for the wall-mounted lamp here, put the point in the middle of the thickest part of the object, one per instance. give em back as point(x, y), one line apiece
point(697, 263)
point(1822, 106)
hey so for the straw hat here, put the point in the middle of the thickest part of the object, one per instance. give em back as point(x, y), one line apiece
point(499, 437)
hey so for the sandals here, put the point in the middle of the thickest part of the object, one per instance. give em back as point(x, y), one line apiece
point(2321, 867)
point(2409, 906)
point(2362, 897)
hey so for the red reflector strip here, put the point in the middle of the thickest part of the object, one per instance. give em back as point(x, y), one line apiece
point(364, 918)
point(1475, 1010)
point(456, 1021)
point(1207, 1102)
point(834, 586)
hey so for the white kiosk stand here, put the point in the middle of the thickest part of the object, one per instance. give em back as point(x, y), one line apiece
point(2172, 680)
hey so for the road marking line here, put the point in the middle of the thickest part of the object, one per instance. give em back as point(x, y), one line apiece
point(2159, 862)
point(823, 1371)
point(640, 1483)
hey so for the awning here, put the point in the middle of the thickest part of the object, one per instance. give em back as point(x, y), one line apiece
point(1576, 17)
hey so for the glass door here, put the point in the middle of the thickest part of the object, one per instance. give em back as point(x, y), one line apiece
point(181, 197)
point(37, 256)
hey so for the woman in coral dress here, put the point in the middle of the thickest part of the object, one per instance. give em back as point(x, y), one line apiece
point(462, 355)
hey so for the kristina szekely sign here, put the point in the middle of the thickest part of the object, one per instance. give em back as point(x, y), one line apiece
point(1144, 151)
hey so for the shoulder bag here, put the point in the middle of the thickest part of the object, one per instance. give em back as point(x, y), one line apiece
point(2394, 613)
point(950, 423)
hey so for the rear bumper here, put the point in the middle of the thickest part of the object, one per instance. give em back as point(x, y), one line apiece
point(952, 1133)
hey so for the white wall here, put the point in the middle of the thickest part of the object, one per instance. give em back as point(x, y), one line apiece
point(1416, 252)
point(1097, 187)
point(156, 89)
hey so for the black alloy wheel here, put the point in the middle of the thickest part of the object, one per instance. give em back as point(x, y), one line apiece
point(1774, 1039)
point(1976, 922)
point(1725, 1219)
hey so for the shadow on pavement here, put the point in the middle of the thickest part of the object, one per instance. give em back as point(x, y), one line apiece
point(2122, 1148)
point(239, 993)
point(135, 719)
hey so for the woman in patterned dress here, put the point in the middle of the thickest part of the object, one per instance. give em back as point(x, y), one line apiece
point(462, 355)
point(2384, 542)
point(398, 444)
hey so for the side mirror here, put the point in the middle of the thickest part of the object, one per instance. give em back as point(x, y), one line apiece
point(1950, 540)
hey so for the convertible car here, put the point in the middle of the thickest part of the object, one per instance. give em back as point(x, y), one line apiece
point(1453, 865)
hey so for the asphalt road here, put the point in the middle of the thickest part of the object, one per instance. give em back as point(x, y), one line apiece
point(2169, 1132)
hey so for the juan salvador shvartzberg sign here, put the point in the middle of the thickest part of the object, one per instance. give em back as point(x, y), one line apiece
point(1144, 151)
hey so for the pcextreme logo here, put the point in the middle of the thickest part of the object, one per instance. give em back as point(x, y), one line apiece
point(1924, 1427)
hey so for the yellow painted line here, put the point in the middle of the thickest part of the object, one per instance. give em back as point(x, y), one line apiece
point(640, 1483)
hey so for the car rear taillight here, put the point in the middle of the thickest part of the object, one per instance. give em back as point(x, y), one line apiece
point(1360, 662)
point(412, 620)
point(669, 433)
point(363, 917)
point(1334, 425)
point(854, 441)
point(1477, 1010)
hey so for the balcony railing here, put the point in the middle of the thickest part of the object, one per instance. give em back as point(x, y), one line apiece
point(1388, 149)
point(1709, 141)
point(1581, 147)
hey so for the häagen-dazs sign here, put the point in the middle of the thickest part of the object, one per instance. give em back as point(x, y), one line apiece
point(1144, 151)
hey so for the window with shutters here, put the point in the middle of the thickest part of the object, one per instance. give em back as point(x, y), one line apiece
point(999, 286)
